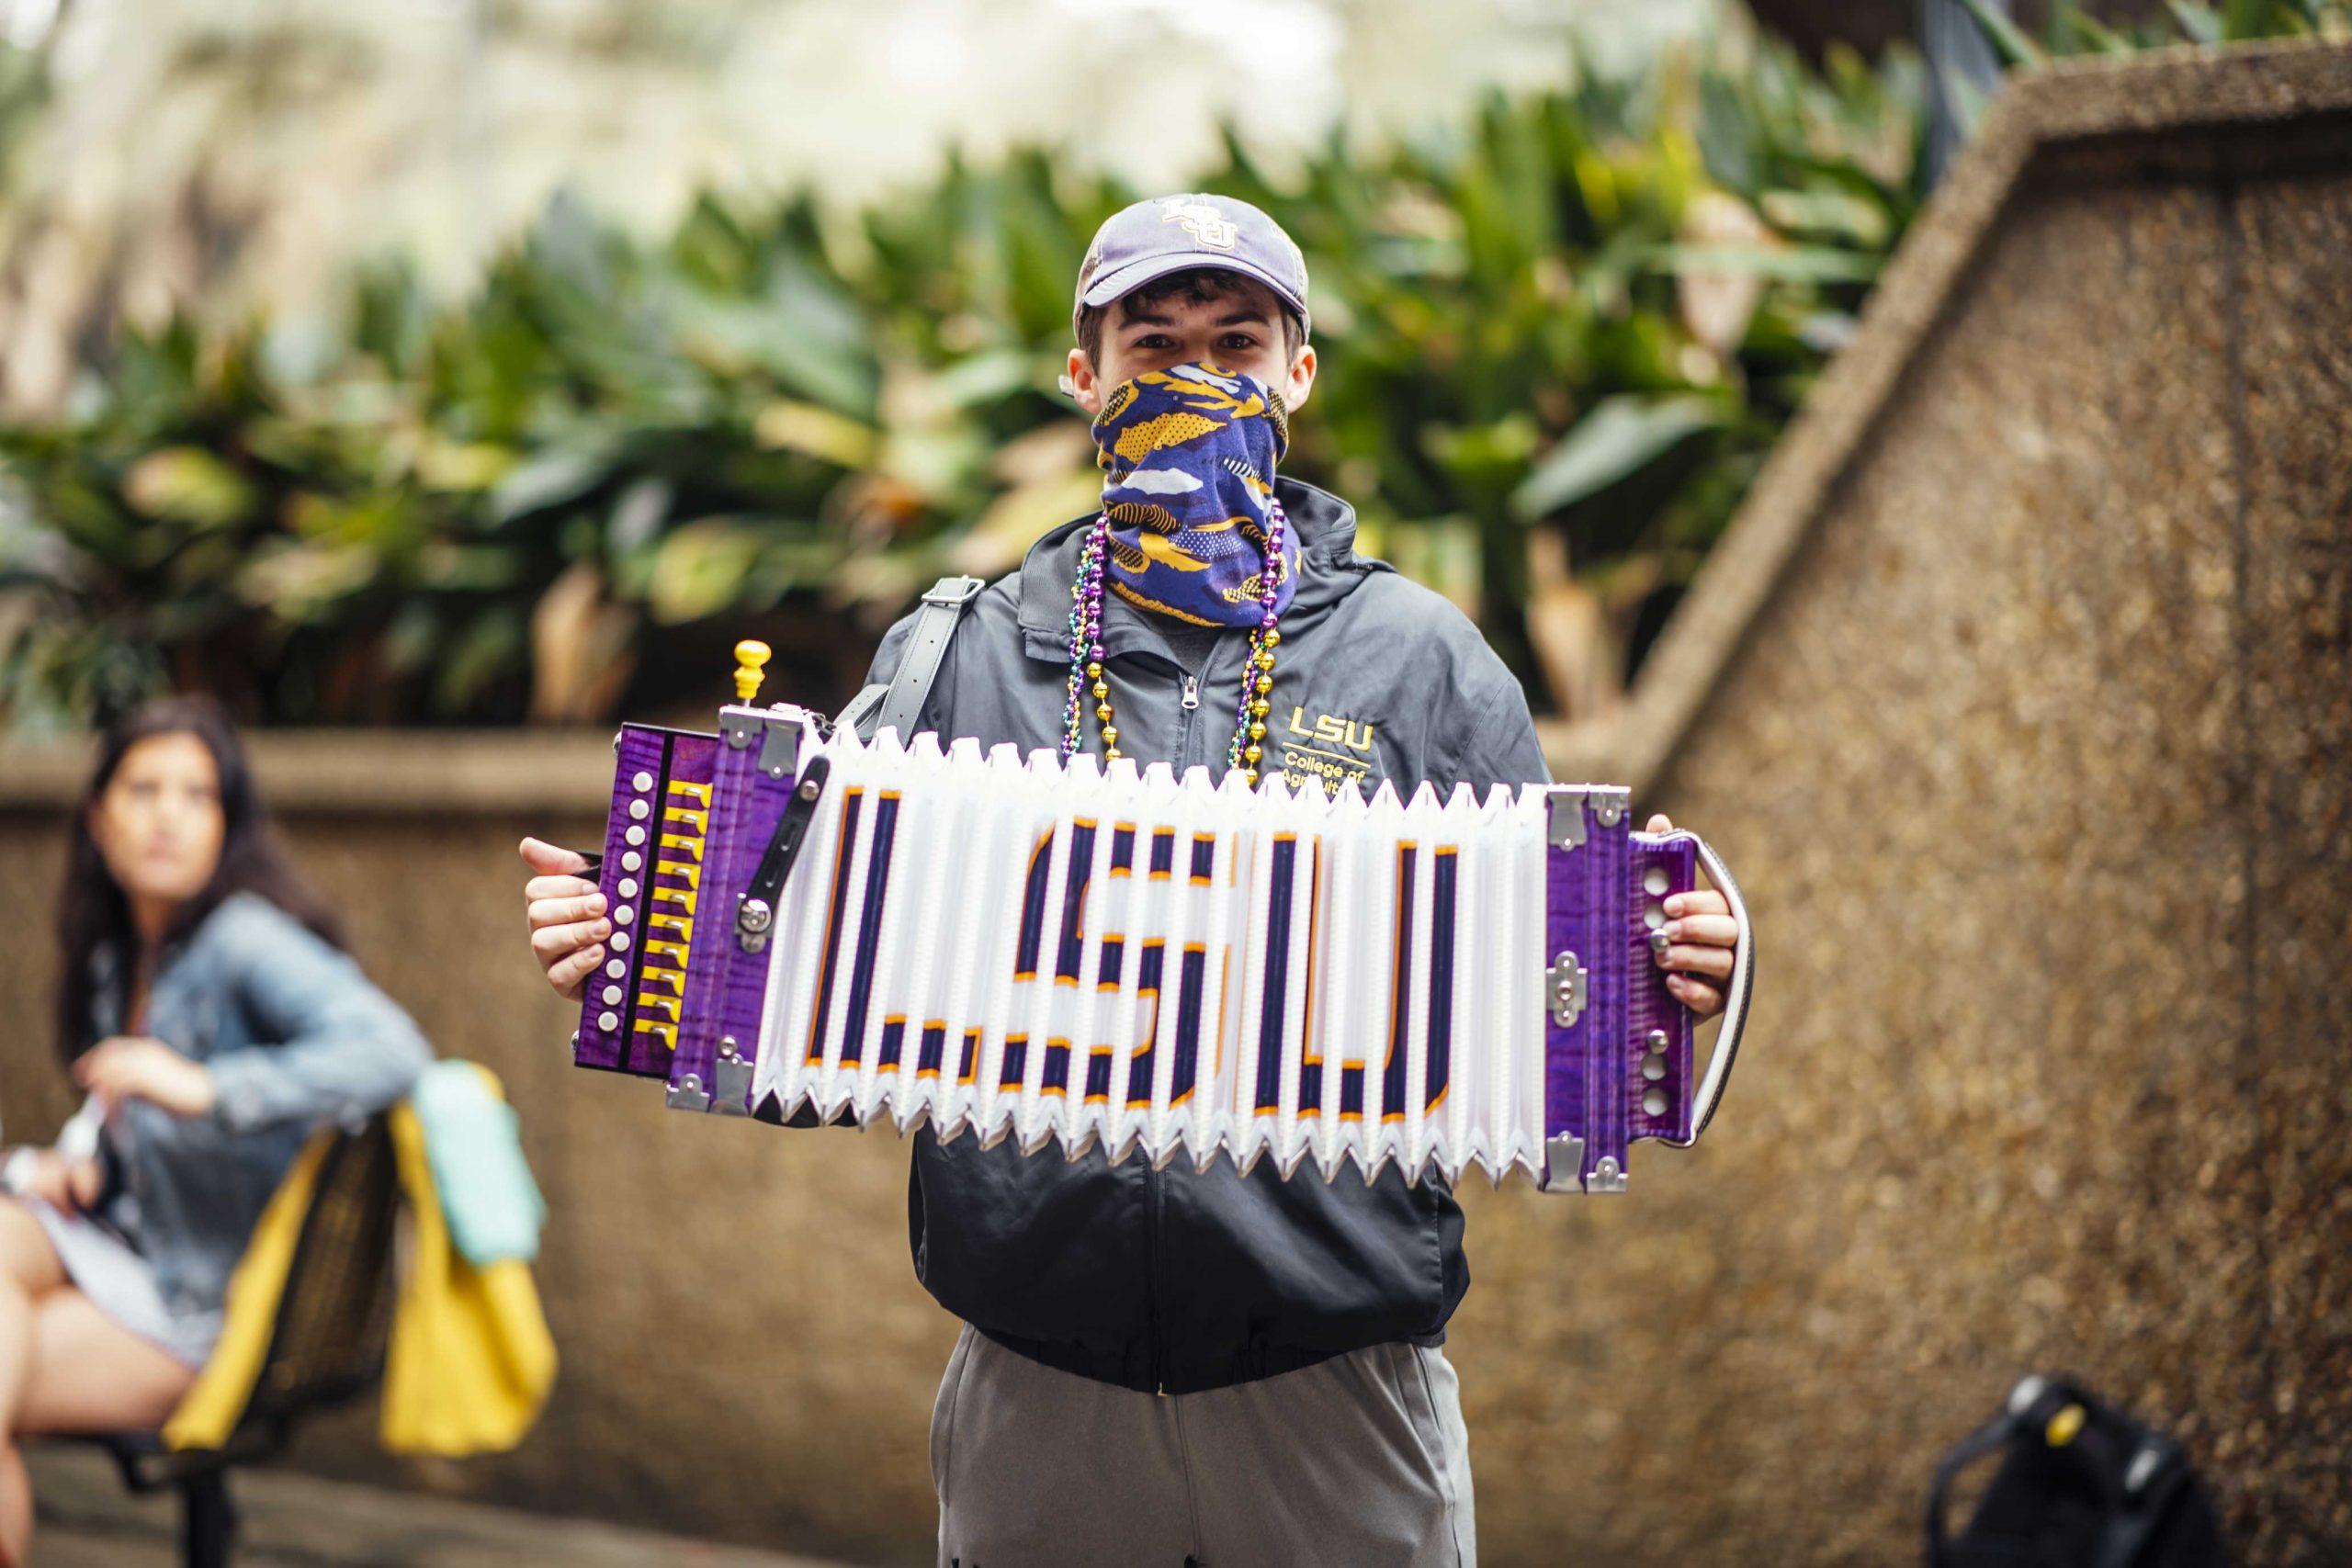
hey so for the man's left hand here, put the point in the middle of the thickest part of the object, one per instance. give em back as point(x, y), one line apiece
point(132, 1068)
point(1700, 934)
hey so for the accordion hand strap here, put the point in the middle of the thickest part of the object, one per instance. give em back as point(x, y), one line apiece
point(1736, 992)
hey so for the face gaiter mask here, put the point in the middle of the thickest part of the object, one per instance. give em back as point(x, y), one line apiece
point(1188, 457)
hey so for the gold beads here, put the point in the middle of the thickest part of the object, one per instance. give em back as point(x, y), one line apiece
point(1094, 670)
point(1101, 690)
point(1265, 659)
point(1260, 708)
point(1110, 753)
point(1102, 712)
point(1110, 738)
point(1258, 729)
point(1273, 637)
point(1250, 777)
point(1250, 754)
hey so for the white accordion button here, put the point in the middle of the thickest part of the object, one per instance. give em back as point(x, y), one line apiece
point(636, 835)
point(640, 809)
point(624, 915)
point(1653, 1102)
point(612, 996)
point(608, 1021)
point(1653, 914)
point(631, 860)
point(1652, 1069)
point(644, 781)
point(628, 887)
point(616, 968)
point(620, 941)
point(1652, 880)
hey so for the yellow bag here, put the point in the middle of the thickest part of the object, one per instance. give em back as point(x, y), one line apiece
point(214, 1404)
point(470, 1361)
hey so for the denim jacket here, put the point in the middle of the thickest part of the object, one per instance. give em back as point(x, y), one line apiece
point(294, 1036)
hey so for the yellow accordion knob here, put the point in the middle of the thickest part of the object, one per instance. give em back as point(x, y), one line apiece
point(751, 669)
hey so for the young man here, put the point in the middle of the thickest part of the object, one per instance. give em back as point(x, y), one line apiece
point(1174, 1367)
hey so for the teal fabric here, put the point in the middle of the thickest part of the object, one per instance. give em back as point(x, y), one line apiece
point(473, 1142)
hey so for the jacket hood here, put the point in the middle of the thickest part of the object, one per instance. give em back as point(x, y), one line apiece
point(1328, 570)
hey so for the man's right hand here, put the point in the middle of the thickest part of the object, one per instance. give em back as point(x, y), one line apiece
point(567, 916)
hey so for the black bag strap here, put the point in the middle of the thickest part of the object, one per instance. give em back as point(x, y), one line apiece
point(1990, 1437)
point(898, 705)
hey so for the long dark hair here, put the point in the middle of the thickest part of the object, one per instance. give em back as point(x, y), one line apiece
point(94, 913)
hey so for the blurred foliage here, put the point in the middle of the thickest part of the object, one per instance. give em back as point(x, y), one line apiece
point(2072, 31)
point(1557, 338)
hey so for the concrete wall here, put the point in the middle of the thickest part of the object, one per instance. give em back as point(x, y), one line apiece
point(2021, 698)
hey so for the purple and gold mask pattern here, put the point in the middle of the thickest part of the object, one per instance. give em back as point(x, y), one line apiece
point(1188, 457)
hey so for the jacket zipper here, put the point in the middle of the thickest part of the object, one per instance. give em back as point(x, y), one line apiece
point(1151, 1279)
point(1188, 702)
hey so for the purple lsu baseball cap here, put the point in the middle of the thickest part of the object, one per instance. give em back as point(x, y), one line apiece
point(1170, 233)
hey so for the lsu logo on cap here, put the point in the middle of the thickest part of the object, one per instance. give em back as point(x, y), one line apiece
point(1203, 223)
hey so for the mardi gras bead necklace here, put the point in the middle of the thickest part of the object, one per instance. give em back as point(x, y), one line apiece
point(1086, 676)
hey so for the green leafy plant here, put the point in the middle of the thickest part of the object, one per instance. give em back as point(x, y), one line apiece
point(1558, 333)
point(2072, 31)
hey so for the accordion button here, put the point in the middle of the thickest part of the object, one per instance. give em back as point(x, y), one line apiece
point(631, 860)
point(616, 968)
point(624, 915)
point(642, 783)
point(1653, 914)
point(1652, 1069)
point(620, 941)
point(1654, 880)
point(628, 887)
point(636, 835)
point(608, 1021)
point(640, 809)
point(1653, 1102)
point(612, 996)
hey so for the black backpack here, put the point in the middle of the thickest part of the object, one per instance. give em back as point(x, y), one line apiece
point(2081, 1485)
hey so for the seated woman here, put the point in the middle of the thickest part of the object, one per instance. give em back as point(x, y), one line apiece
point(205, 1006)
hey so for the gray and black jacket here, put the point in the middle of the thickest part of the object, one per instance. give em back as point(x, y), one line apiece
point(1180, 1280)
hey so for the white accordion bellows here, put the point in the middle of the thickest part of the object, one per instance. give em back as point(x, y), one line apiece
point(1074, 956)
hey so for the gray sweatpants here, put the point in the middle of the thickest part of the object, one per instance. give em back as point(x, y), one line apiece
point(1360, 1462)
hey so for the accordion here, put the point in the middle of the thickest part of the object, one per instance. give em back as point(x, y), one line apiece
point(811, 926)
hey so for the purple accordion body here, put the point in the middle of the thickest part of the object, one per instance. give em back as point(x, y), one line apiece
point(652, 875)
point(1617, 1045)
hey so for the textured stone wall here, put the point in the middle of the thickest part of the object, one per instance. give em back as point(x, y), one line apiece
point(2037, 768)
point(2034, 761)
